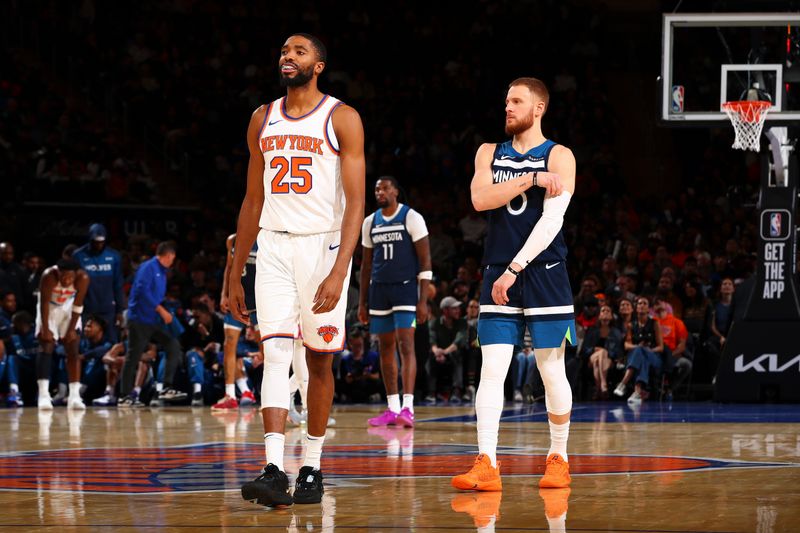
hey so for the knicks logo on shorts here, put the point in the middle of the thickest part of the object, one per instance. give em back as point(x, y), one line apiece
point(328, 333)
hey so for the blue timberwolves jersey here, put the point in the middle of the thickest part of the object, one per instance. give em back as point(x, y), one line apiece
point(511, 225)
point(249, 276)
point(394, 257)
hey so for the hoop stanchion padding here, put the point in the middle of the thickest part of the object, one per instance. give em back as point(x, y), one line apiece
point(747, 117)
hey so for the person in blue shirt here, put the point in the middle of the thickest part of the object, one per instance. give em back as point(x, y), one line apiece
point(103, 264)
point(94, 345)
point(145, 318)
point(360, 376)
point(22, 346)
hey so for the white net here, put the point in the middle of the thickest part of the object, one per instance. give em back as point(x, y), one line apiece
point(748, 119)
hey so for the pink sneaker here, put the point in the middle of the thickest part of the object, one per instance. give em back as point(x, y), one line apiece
point(388, 418)
point(406, 418)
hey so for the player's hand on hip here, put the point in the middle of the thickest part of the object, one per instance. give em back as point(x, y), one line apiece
point(551, 183)
point(236, 302)
point(363, 314)
point(422, 311)
point(328, 294)
point(501, 286)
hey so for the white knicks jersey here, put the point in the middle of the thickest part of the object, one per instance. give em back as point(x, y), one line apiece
point(302, 172)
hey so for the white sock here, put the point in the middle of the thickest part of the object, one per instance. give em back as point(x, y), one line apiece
point(197, 387)
point(230, 390)
point(75, 389)
point(13, 388)
point(273, 444)
point(408, 402)
point(557, 525)
point(313, 451)
point(394, 402)
point(559, 433)
point(242, 384)
point(159, 387)
point(137, 390)
point(44, 388)
point(489, 399)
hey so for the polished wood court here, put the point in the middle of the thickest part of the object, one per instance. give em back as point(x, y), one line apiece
point(660, 468)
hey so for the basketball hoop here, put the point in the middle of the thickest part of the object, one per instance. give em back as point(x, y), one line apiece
point(747, 117)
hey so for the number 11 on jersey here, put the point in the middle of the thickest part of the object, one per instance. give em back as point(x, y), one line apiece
point(388, 251)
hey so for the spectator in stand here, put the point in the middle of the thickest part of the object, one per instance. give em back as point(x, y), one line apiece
point(473, 230)
point(93, 346)
point(677, 355)
point(360, 378)
point(666, 292)
point(587, 316)
point(521, 366)
point(721, 320)
point(10, 374)
point(472, 354)
point(144, 311)
point(624, 315)
point(609, 273)
point(24, 345)
point(590, 284)
point(203, 340)
point(103, 264)
point(114, 360)
point(602, 345)
point(13, 277)
point(449, 337)
point(630, 264)
point(34, 266)
point(697, 311)
point(8, 306)
point(644, 346)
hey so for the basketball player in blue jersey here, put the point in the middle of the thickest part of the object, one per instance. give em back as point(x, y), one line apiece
point(233, 368)
point(305, 204)
point(396, 254)
point(525, 185)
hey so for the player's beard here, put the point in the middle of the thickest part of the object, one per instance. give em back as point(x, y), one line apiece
point(382, 203)
point(301, 78)
point(520, 125)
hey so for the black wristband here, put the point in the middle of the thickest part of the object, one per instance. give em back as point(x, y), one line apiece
point(509, 269)
point(535, 178)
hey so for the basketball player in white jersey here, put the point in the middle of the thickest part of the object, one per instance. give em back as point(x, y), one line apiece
point(62, 290)
point(305, 205)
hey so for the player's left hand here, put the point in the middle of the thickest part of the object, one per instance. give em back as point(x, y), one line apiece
point(328, 294)
point(422, 311)
point(501, 286)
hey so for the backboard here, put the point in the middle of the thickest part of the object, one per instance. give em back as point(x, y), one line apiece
point(712, 58)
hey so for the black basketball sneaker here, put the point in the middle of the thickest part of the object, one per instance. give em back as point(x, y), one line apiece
point(271, 488)
point(308, 487)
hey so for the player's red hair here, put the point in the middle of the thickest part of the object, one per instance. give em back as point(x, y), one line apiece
point(535, 86)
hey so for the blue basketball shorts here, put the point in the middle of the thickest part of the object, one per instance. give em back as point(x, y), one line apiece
point(540, 299)
point(232, 323)
point(392, 306)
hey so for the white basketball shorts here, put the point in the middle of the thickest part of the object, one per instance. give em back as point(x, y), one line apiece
point(58, 320)
point(289, 269)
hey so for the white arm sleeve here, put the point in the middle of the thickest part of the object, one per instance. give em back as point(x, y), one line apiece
point(366, 240)
point(415, 225)
point(545, 229)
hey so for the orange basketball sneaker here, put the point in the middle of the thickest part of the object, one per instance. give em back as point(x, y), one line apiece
point(556, 473)
point(482, 506)
point(482, 476)
point(556, 501)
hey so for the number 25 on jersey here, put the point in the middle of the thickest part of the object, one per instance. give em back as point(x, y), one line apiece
point(298, 171)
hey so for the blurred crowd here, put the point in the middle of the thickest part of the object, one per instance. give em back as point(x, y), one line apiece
point(82, 108)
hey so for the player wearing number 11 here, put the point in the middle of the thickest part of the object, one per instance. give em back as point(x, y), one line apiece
point(305, 203)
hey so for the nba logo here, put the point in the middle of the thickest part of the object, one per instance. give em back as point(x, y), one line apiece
point(775, 225)
point(677, 98)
